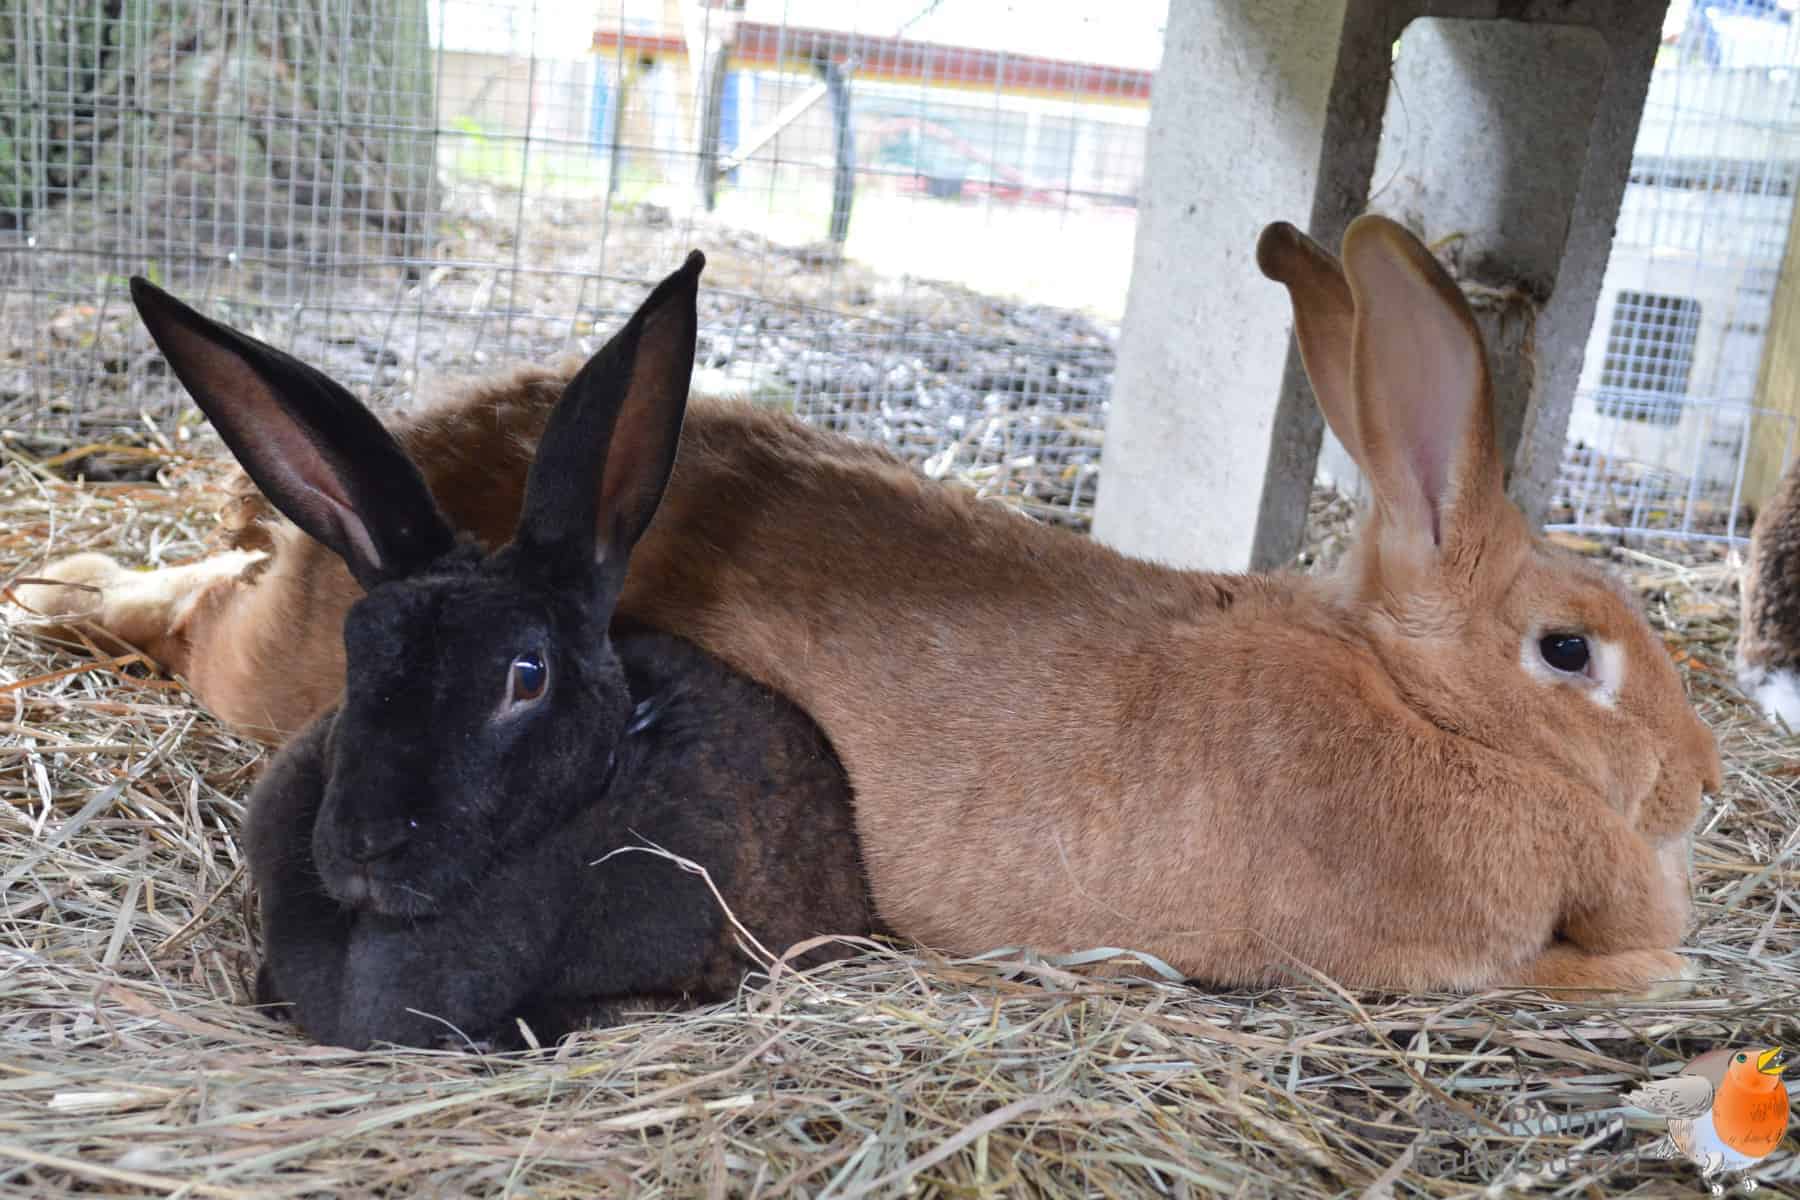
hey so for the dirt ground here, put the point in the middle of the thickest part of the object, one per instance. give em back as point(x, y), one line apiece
point(1008, 396)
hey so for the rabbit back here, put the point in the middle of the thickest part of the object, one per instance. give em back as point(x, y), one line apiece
point(726, 773)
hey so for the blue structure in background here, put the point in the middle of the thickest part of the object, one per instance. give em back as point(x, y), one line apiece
point(603, 116)
point(728, 121)
point(600, 116)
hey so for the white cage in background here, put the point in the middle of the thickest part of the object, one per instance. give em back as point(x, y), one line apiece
point(1658, 438)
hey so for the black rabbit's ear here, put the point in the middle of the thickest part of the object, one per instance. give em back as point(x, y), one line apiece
point(621, 414)
point(314, 450)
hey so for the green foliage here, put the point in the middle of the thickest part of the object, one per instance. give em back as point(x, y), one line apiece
point(99, 97)
point(482, 154)
point(57, 99)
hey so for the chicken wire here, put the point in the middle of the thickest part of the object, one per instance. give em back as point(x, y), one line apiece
point(918, 215)
point(1668, 411)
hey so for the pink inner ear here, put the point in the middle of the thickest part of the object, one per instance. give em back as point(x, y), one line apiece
point(1419, 386)
point(628, 451)
point(1437, 419)
point(632, 476)
point(276, 448)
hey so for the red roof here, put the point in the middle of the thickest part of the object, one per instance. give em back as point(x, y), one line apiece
point(899, 60)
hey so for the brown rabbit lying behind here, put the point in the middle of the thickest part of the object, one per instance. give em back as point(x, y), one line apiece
point(1463, 761)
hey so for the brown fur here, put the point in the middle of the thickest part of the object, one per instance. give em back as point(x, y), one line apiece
point(1769, 638)
point(262, 646)
point(1056, 745)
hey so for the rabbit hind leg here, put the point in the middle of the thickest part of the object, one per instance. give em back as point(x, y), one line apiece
point(1634, 974)
point(148, 610)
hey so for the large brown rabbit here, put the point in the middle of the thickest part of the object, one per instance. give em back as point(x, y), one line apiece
point(1464, 760)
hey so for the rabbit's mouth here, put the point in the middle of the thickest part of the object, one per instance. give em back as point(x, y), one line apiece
point(376, 867)
point(368, 888)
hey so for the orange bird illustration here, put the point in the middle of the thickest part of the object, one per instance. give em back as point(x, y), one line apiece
point(1726, 1110)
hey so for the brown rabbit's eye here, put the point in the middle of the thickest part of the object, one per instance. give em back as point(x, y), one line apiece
point(1565, 651)
point(529, 675)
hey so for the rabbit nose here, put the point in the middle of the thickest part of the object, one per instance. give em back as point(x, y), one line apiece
point(372, 843)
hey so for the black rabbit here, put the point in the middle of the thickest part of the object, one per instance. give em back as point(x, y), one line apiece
point(427, 854)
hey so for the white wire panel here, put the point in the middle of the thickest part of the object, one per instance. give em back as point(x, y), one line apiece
point(1659, 435)
point(918, 216)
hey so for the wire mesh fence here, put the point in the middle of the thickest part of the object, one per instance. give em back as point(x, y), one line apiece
point(1668, 407)
point(918, 215)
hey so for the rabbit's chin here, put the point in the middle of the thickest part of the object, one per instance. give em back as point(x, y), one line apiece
point(371, 890)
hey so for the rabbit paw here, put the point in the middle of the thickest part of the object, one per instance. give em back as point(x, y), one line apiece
point(1679, 988)
point(140, 608)
point(467, 1045)
point(1630, 974)
point(70, 588)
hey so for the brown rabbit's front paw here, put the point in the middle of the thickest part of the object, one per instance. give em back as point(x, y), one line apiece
point(1674, 989)
point(1630, 893)
point(1628, 974)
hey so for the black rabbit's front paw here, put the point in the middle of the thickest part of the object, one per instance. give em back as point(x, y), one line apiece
point(470, 1045)
point(268, 996)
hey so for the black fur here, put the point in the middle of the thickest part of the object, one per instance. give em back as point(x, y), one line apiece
point(427, 855)
point(353, 489)
point(549, 933)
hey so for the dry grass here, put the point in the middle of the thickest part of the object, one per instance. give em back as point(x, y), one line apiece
point(130, 1064)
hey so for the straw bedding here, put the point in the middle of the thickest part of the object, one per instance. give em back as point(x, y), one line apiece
point(130, 1063)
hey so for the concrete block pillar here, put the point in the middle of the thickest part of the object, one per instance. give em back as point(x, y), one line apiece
point(1503, 131)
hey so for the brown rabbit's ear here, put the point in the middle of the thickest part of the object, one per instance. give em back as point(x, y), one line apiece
point(1424, 405)
point(1324, 318)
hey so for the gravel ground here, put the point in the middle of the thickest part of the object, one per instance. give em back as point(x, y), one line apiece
point(1010, 397)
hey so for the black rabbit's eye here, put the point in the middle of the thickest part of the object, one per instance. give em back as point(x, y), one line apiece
point(529, 675)
point(1566, 652)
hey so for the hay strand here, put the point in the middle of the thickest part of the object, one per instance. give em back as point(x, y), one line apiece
point(134, 1062)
